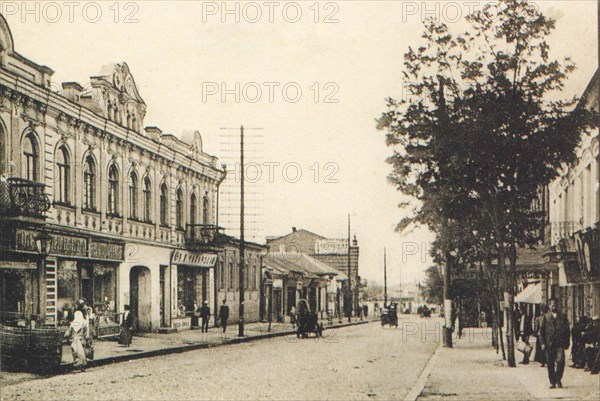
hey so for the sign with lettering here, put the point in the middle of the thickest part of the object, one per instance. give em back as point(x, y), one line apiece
point(61, 245)
point(194, 259)
point(331, 247)
point(106, 250)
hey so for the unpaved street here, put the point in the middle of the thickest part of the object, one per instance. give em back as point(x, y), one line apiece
point(358, 363)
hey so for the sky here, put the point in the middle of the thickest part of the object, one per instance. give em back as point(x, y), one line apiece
point(307, 79)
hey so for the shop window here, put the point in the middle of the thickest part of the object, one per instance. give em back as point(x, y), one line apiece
point(186, 289)
point(68, 284)
point(104, 288)
point(30, 157)
point(12, 295)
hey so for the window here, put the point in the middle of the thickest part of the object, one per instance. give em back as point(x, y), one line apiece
point(193, 209)
point(179, 209)
point(113, 190)
point(223, 276)
point(205, 210)
point(89, 183)
point(133, 195)
point(147, 199)
point(231, 276)
point(30, 158)
point(62, 175)
point(163, 204)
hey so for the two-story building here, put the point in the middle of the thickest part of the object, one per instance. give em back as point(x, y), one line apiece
point(127, 213)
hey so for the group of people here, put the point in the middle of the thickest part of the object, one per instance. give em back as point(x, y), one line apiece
point(202, 316)
point(552, 331)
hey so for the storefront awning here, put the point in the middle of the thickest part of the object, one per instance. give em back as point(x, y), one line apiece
point(532, 294)
point(18, 265)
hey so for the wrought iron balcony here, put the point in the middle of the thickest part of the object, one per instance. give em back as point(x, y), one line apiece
point(21, 197)
point(201, 234)
point(563, 230)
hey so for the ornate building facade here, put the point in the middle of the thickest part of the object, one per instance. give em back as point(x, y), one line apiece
point(129, 212)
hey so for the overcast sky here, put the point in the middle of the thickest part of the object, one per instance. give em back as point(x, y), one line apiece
point(180, 52)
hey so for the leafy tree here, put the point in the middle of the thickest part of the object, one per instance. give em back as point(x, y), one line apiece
point(434, 286)
point(487, 131)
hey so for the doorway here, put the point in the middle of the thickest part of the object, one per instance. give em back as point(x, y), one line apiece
point(140, 300)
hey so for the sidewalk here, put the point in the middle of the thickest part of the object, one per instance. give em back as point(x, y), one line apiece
point(155, 344)
point(473, 371)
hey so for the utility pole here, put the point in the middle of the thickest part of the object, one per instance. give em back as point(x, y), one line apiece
point(384, 279)
point(400, 284)
point(350, 298)
point(242, 244)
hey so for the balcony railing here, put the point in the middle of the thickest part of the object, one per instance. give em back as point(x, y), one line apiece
point(201, 234)
point(563, 230)
point(21, 197)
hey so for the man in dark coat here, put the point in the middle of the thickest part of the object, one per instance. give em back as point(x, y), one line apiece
point(525, 330)
point(224, 315)
point(555, 338)
point(205, 316)
point(126, 327)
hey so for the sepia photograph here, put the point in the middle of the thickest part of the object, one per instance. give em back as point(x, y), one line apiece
point(300, 200)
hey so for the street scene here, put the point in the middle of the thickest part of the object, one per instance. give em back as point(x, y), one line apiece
point(293, 200)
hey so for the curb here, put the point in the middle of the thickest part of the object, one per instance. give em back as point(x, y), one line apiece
point(419, 386)
point(192, 347)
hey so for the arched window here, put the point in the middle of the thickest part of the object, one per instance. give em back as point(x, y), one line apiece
point(113, 190)
point(109, 111)
point(62, 175)
point(89, 184)
point(179, 209)
point(193, 209)
point(164, 193)
point(30, 157)
point(133, 195)
point(147, 199)
point(205, 210)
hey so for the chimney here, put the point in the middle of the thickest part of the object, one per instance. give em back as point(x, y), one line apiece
point(153, 133)
point(294, 229)
point(72, 91)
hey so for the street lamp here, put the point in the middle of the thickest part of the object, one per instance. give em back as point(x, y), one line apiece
point(43, 242)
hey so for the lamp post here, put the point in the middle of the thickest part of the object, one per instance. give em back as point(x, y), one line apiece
point(43, 243)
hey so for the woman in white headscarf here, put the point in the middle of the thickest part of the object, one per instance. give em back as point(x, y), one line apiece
point(79, 334)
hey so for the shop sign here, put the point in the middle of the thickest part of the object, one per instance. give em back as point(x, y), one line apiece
point(194, 259)
point(331, 247)
point(106, 250)
point(61, 244)
point(277, 283)
point(5, 264)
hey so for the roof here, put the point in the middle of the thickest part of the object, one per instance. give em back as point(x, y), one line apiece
point(300, 263)
point(274, 237)
point(532, 294)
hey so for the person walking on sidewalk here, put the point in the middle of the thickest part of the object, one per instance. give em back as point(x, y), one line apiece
point(205, 316)
point(224, 315)
point(524, 333)
point(540, 356)
point(555, 338)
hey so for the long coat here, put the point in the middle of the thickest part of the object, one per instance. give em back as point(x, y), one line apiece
point(555, 332)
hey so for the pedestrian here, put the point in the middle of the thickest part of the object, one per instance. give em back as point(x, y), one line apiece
point(126, 327)
point(196, 316)
point(224, 315)
point(366, 310)
point(540, 356)
point(525, 331)
point(555, 338)
point(293, 316)
point(205, 316)
point(516, 315)
point(78, 334)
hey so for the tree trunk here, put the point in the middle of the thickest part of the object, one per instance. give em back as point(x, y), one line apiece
point(447, 334)
point(508, 308)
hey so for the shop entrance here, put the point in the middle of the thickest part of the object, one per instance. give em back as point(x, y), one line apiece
point(12, 294)
point(140, 298)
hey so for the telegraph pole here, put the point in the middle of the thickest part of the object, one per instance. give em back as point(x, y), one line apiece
point(385, 298)
point(350, 298)
point(242, 244)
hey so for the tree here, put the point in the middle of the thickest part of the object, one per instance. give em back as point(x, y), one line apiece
point(434, 286)
point(487, 131)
